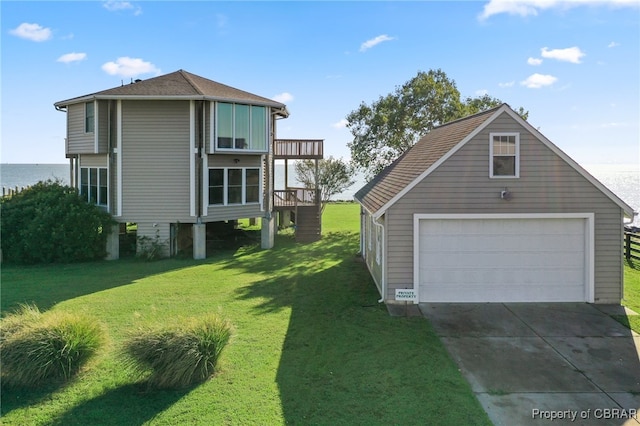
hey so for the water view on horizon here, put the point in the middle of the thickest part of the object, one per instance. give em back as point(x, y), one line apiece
point(622, 179)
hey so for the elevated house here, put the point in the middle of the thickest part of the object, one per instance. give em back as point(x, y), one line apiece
point(487, 209)
point(178, 152)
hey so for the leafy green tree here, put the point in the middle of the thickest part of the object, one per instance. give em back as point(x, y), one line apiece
point(386, 128)
point(333, 177)
point(49, 222)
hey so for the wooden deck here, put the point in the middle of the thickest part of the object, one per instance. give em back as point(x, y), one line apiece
point(290, 198)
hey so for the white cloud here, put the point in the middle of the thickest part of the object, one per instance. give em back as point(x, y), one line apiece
point(283, 97)
point(536, 81)
point(570, 54)
point(130, 67)
point(117, 6)
point(72, 57)
point(340, 124)
point(482, 92)
point(534, 61)
point(507, 84)
point(33, 32)
point(613, 44)
point(375, 41)
point(532, 7)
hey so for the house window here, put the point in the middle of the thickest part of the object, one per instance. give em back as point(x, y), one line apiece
point(89, 117)
point(241, 127)
point(504, 155)
point(93, 185)
point(234, 186)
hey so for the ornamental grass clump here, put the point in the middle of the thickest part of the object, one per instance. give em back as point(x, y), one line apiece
point(181, 354)
point(37, 348)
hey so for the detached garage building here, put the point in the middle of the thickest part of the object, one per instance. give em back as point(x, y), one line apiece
point(486, 209)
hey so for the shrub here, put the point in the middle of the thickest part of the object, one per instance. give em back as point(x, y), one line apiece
point(24, 316)
point(179, 355)
point(151, 249)
point(49, 222)
point(37, 348)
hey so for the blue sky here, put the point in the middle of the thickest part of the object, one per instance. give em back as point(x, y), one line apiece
point(575, 66)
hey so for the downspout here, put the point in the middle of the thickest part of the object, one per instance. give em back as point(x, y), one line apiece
point(383, 287)
point(632, 219)
point(200, 172)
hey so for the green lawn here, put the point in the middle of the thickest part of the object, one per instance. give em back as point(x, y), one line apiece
point(631, 294)
point(311, 344)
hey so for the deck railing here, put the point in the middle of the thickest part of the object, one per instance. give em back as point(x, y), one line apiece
point(298, 149)
point(293, 197)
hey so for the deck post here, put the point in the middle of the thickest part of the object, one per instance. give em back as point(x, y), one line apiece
point(268, 230)
point(113, 243)
point(285, 219)
point(199, 241)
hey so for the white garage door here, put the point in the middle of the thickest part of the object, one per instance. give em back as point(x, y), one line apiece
point(503, 260)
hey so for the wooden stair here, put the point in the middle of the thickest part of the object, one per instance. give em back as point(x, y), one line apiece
point(307, 220)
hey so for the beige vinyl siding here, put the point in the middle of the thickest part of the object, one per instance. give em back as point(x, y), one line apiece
point(94, 160)
point(546, 185)
point(228, 160)
point(103, 127)
point(156, 161)
point(208, 127)
point(370, 250)
point(78, 142)
point(231, 212)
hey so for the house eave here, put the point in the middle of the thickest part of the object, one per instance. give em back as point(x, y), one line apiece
point(437, 164)
point(282, 109)
point(627, 209)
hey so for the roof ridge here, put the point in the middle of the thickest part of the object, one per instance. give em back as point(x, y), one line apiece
point(187, 76)
point(468, 117)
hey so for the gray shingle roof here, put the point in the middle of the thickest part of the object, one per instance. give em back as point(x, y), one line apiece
point(417, 159)
point(179, 84)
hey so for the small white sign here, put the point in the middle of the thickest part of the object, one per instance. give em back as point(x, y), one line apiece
point(406, 294)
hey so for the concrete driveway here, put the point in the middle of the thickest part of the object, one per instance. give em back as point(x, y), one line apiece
point(532, 363)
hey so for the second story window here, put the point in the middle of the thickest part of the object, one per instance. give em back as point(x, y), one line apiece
point(241, 127)
point(504, 155)
point(89, 117)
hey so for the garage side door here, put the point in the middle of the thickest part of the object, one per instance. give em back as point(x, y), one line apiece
point(502, 260)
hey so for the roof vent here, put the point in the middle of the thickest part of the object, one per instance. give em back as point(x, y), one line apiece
point(137, 80)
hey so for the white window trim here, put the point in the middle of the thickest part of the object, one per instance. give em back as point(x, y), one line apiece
point(119, 157)
point(214, 130)
point(225, 190)
point(87, 195)
point(369, 231)
point(84, 122)
point(378, 245)
point(517, 155)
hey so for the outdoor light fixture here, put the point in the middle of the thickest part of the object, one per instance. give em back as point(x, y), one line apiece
point(505, 194)
point(236, 160)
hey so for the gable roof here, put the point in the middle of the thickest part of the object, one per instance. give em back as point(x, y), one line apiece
point(176, 85)
point(436, 147)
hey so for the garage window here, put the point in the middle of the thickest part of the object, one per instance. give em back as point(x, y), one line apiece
point(504, 155)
